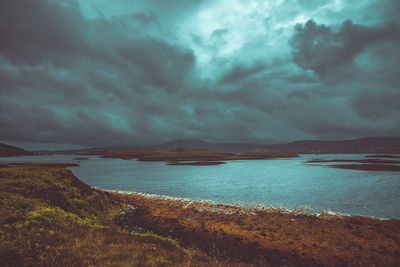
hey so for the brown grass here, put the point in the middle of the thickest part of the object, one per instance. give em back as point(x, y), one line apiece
point(183, 154)
point(270, 236)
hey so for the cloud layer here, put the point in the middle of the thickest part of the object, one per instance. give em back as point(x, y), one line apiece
point(99, 73)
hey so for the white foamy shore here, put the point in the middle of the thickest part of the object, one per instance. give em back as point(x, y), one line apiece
point(210, 205)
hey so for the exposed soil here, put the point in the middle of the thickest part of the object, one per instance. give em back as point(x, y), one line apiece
point(368, 167)
point(367, 164)
point(360, 167)
point(198, 163)
point(181, 156)
point(370, 161)
point(81, 158)
point(268, 236)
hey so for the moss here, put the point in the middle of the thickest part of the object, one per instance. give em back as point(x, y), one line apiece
point(55, 216)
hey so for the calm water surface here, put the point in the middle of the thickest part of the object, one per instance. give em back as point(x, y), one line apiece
point(284, 183)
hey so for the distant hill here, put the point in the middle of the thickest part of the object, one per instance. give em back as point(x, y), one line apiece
point(390, 145)
point(11, 151)
point(200, 144)
point(378, 145)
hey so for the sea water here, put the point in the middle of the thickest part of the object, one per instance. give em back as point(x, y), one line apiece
point(286, 183)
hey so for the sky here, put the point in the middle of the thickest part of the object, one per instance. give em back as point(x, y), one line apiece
point(105, 73)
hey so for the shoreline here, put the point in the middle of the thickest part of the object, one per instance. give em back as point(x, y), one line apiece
point(276, 235)
point(259, 206)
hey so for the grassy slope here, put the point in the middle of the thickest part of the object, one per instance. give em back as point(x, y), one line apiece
point(48, 217)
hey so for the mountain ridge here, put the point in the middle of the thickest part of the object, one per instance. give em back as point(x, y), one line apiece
point(201, 144)
point(378, 144)
point(386, 144)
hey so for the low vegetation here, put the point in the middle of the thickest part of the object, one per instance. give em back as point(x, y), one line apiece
point(367, 164)
point(199, 156)
point(48, 217)
point(264, 236)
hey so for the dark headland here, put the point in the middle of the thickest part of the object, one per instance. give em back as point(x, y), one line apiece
point(12, 151)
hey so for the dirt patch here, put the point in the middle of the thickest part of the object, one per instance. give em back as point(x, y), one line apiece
point(197, 163)
point(368, 161)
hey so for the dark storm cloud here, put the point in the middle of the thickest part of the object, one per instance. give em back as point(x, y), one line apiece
point(359, 63)
point(240, 72)
point(37, 123)
point(162, 65)
point(322, 49)
point(90, 81)
point(142, 72)
point(38, 31)
point(334, 131)
point(375, 105)
point(390, 11)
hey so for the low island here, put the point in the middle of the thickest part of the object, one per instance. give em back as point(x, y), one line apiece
point(183, 156)
point(366, 164)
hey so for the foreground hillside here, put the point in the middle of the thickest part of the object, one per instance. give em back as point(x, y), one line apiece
point(48, 217)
